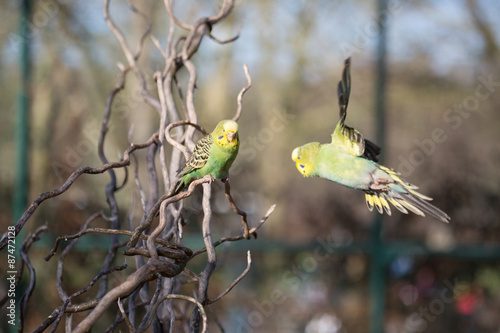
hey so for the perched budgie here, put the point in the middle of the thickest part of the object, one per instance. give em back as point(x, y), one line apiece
point(350, 160)
point(212, 155)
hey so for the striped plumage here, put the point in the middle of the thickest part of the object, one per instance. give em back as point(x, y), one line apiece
point(350, 160)
point(213, 155)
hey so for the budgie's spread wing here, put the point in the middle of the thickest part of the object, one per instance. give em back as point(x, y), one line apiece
point(347, 139)
point(371, 151)
point(199, 157)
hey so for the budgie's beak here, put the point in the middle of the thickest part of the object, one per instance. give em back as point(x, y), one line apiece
point(230, 136)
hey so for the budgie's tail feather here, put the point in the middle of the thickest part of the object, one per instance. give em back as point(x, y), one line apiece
point(404, 197)
point(404, 202)
point(180, 185)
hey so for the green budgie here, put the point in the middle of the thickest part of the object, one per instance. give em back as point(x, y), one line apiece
point(350, 160)
point(212, 155)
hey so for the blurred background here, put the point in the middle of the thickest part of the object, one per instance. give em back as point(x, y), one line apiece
point(323, 262)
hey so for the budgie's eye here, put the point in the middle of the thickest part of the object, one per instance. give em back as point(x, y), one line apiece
point(223, 130)
point(298, 157)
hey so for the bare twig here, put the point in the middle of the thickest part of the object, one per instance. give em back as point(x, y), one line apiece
point(60, 262)
point(168, 6)
point(242, 92)
point(227, 7)
point(140, 45)
point(26, 261)
point(211, 257)
point(71, 179)
point(240, 237)
point(116, 232)
point(131, 59)
point(144, 225)
point(176, 144)
point(124, 315)
point(144, 274)
point(235, 209)
point(57, 314)
point(227, 40)
point(238, 279)
point(187, 298)
point(161, 226)
point(163, 124)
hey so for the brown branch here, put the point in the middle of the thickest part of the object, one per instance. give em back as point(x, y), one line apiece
point(168, 7)
point(57, 314)
point(124, 315)
point(151, 239)
point(131, 59)
point(111, 187)
point(177, 144)
point(187, 298)
point(144, 225)
point(211, 258)
point(238, 279)
point(71, 179)
point(227, 7)
point(242, 92)
point(160, 241)
point(246, 233)
point(140, 45)
point(144, 274)
point(163, 124)
point(150, 311)
point(60, 261)
point(227, 40)
point(240, 237)
point(26, 261)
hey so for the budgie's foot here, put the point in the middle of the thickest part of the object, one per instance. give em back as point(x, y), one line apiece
point(210, 179)
point(379, 184)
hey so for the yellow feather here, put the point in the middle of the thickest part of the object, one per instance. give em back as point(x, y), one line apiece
point(398, 206)
point(385, 204)
point(378, 204)
point(412, 208)
point(420, 195)
point(369, 201)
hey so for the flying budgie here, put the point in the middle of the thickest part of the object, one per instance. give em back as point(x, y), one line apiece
point(350, 160)
point(212, 155)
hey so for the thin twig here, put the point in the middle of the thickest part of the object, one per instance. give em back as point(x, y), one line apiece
point(114, 232)
point(240, 237)
point(227, 40)
point(131, 59)
point(161, 225)
point(26, 261)
point(211, 257)
point(176, 144)
point(71, 179)
point(242, 92)
point(144, 274)
point(124, 315)
point(144, 225)
point(238, 279)
point(168, 7)
point(186, 298)
point(235, 209)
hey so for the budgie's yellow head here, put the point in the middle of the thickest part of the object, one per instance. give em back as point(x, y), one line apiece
point(305, 157)
point(226, 134)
